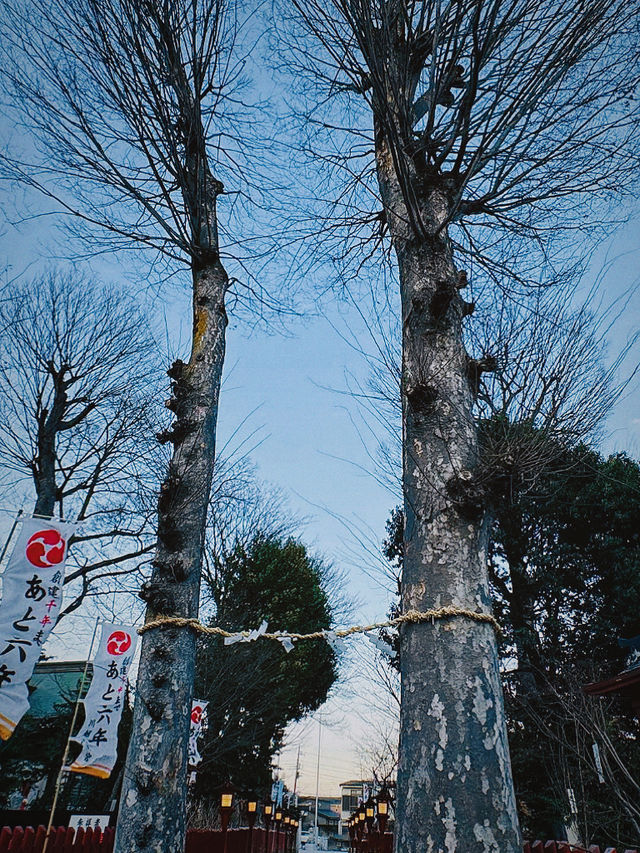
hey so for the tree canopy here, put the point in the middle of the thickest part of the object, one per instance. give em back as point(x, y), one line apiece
point(255, 690)
point(564, 566)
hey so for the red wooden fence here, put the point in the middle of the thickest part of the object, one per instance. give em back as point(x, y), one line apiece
point(64, 840)
point(211, 841)
point(564, 847)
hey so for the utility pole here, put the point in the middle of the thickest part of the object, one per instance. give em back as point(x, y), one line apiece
point(315, 828)
point(295, 781)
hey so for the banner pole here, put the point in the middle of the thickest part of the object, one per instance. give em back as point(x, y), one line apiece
point(5, 547)
point(66, 748)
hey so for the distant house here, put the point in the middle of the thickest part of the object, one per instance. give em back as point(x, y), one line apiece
point(32, 757)
point(352, 793)
point(55, 683)
point(328, 816)
point(357, 791)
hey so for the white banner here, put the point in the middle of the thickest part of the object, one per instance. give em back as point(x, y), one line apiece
point(198, 716)
point(104, 702)
point(31, 597)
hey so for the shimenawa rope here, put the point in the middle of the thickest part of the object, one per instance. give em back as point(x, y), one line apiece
point(449, 612)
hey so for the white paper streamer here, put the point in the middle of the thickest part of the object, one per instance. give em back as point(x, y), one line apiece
point(337, 643)
point(287, 643)
point(247, 638)
point(381, 645)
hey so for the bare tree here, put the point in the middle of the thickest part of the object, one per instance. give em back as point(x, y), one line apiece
point(131, 107)
point(506, 114)
point(79, 376)
point(588, 738)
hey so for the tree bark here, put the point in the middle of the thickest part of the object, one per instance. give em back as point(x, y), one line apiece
point(455, 789)
point(153, 800)
point(44, 469)
point(521, 611)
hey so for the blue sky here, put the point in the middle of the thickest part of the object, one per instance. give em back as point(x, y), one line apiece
point(289, 387)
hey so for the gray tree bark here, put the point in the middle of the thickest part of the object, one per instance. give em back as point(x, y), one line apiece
point(455, 789)
point(44, 467)
point(153, 800)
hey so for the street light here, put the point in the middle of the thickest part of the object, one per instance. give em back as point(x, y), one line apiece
point(278, 820)
point(226, 807)
point(382, 800)
point(360, 824)
point(286, 820)
point(267, 814)
point(351, 826)
point(370, 814)
point(252, 814)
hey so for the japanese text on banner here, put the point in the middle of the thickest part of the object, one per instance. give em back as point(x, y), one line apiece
point(104, 702)
point(198, 718)
point(31, 597)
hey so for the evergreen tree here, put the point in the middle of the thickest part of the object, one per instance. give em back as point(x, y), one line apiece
point(254, 690)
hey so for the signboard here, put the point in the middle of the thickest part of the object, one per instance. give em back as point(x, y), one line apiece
point(31, 597)
point(104, 702)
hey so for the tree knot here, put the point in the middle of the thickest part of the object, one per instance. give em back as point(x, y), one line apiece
point(467, 495)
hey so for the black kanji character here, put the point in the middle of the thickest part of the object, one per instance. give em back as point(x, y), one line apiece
point(36, 590)
point(54, 591)
point(99, 737)
point(56, 578)
point(105, 714)
point(16, 642)
point(18, 626)
point(5, 674)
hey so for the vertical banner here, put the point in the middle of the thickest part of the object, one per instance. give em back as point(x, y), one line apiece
point(198, 717)
point(31, 596)
point(104, 702)
point(198, 722)
point(277, 792)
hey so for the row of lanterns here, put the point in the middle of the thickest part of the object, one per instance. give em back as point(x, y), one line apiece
point(368, 824)
point(284, 821)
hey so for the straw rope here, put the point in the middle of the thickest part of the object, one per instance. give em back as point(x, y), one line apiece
point(412, 616)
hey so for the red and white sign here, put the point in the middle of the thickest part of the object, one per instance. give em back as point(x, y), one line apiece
point(118, 643)
point(105, 701)
point(45, 548)
point(198, 721)
point(31, 598)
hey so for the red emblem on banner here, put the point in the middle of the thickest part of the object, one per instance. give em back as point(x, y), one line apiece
point(196, 714)
point(118, 643)
point(45, 548)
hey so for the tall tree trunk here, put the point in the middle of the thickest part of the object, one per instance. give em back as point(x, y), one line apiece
point(49, 422)
point(153, 800)
point(521, 611)
point(455, 790)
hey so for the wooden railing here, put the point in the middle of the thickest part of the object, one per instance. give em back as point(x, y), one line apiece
point(61, 840)
point(565, 847)
point(64, 840)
